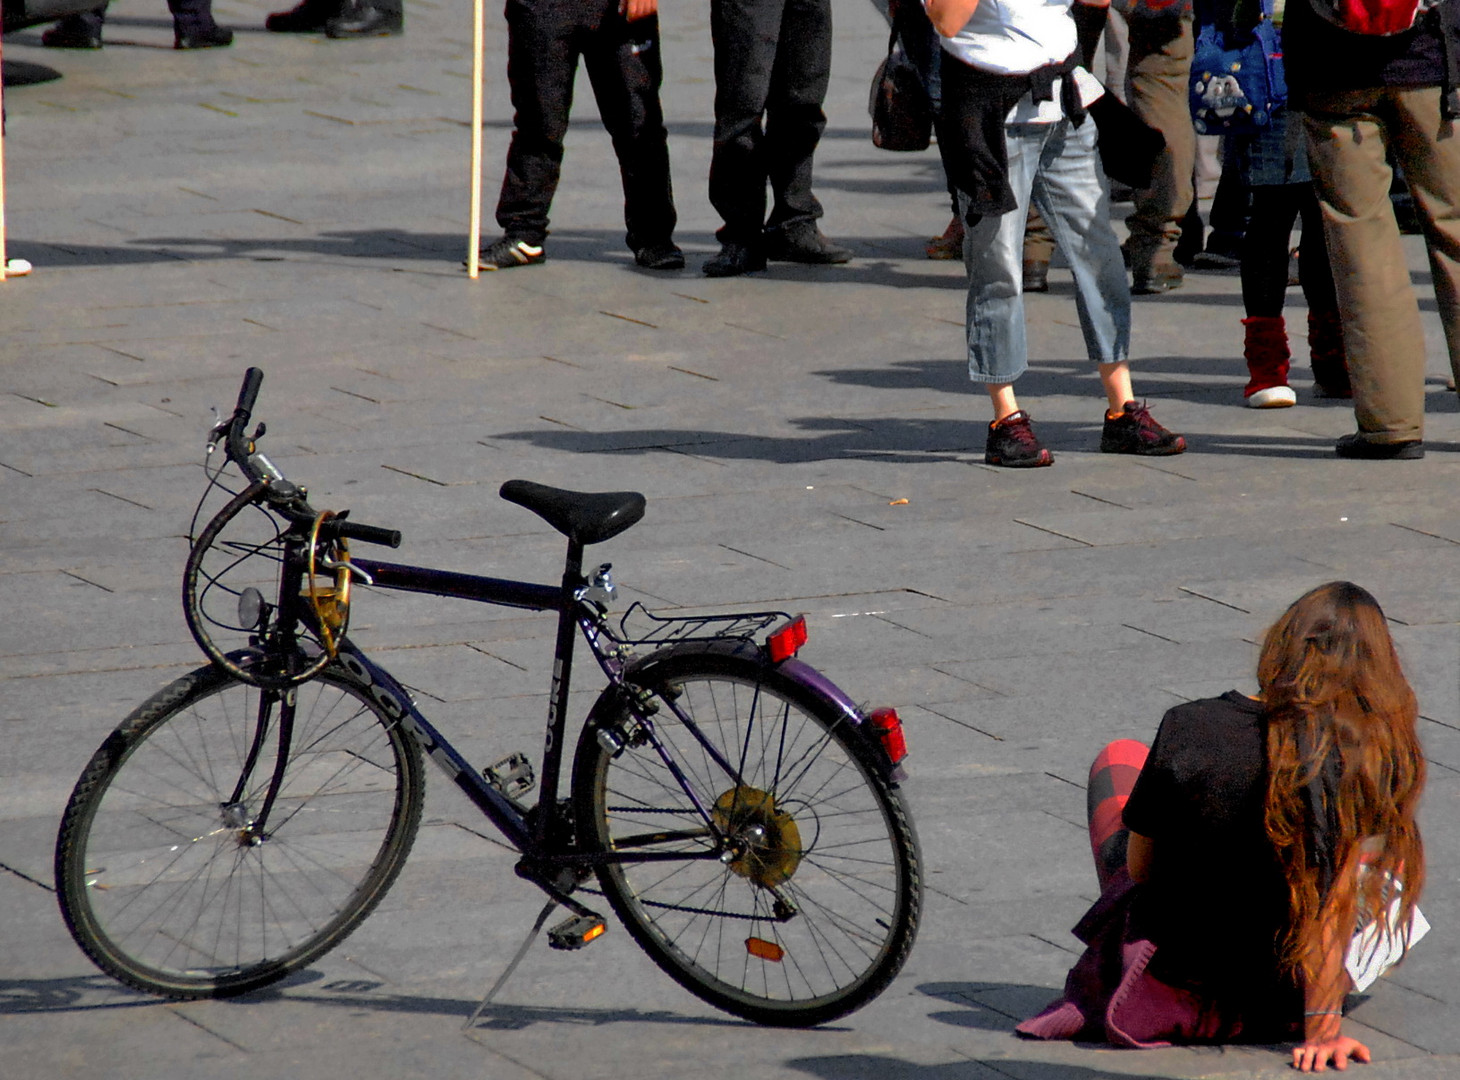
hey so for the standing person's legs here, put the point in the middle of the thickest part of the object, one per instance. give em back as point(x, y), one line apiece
point(625, 67)
point(1348, 133)
point(744, 34)
point(1112, 778)
point(1160, 67)
point(1264, 292)
point(794, 118)
point(998, 347)
point(1070, 194)
point(1429, 153)
point(193, 26)
point(1068, 191)
point(542, 60)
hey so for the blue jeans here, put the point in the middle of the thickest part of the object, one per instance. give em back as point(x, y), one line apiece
point(1057, 165)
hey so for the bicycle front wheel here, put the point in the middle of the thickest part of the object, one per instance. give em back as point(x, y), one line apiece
point(165, 877)
point(808, 907)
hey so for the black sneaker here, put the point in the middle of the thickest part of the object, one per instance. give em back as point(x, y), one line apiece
point(507, 253)
point(218, 37)
point(1356, 446)
point(664, 256)
point(1135, 431)
point(71, 33)
point(734, 260)
point(1013, 444)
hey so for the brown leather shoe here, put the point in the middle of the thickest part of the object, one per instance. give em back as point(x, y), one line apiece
point(1036, 275)
point(1161, 276)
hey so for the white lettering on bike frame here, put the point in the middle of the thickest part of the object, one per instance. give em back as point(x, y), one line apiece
point(398, 712)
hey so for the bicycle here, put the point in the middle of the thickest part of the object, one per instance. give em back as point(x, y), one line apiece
point(739, 812)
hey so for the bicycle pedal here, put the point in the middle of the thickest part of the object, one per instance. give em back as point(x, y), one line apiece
point(576, 932)
point(512, 776)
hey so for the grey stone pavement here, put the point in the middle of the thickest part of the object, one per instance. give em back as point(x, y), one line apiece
point(300, 205)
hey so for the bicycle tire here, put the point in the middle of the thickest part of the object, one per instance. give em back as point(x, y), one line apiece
point(158, 878)
point(836, 840)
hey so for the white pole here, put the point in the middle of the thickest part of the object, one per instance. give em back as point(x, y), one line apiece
point(478, 46)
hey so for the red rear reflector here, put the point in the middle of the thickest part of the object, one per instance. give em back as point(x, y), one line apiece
point(888, 726)
point(785, 642)
point(765, 950)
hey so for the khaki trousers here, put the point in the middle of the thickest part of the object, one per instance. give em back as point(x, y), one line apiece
point(1348, 135)
point(1158, 74)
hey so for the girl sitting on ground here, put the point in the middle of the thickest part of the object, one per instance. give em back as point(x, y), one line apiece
point(1236, 860)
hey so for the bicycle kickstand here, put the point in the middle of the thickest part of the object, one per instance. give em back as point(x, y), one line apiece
point(542, 918)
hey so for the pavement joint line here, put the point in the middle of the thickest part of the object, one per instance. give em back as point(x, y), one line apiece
point(1097, 498)
point(120, 498)
point(87, 581)
point(176, 1011)
point(749, 555)
point(1053, 532)
point(629, 319)
point(495, 841)
point(415, 475)
point(26, 877)
point(893, 622)
point(961, 723)
point(1212, 599)
point(353, 394)
point(1150, 633)
point(1422, 532)
point(858, 521)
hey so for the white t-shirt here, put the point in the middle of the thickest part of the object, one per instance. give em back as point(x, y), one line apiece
point(1014, 37)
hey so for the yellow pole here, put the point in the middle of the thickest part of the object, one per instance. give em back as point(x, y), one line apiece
point(478, 46)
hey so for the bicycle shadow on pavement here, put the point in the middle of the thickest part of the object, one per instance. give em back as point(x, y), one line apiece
point(83, 993)
point(89, 993)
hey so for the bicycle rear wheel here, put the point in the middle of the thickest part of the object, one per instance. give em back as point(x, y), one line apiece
point(813, 910)
point(163, 879)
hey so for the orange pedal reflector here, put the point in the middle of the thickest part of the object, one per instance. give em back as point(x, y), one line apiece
point(765, 950)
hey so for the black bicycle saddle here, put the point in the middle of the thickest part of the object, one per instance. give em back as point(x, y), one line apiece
point(584, 517)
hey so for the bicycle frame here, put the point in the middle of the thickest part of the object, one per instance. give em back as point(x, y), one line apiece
point(532, 838)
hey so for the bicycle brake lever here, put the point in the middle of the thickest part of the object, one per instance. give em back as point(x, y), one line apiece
point(348, 567)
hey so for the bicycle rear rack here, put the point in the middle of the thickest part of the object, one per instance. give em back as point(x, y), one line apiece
point(650, 629)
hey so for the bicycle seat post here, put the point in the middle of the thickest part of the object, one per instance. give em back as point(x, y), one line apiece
point(558, 697)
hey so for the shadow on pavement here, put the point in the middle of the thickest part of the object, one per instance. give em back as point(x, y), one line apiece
point(99, 992)
point(21, 73)
point(876, 1067)
point(903, 440)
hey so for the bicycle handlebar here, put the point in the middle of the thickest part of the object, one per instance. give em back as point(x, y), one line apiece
point(369, 534)
point(282, 495)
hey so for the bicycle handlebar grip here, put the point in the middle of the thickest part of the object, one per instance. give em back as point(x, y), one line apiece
point(369, 534)
point(253, 378)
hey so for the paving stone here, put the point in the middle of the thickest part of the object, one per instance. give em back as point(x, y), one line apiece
point(298, 204)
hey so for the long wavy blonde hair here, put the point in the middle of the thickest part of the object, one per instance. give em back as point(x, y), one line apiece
point(1345, 770)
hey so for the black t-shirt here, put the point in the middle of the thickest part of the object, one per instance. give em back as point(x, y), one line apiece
point(1216, 900)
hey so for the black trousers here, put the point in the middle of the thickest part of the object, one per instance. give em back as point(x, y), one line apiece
point(545, 38)
point(772, 65)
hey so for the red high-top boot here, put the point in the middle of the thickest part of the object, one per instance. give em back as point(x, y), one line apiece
point(1266, 353)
